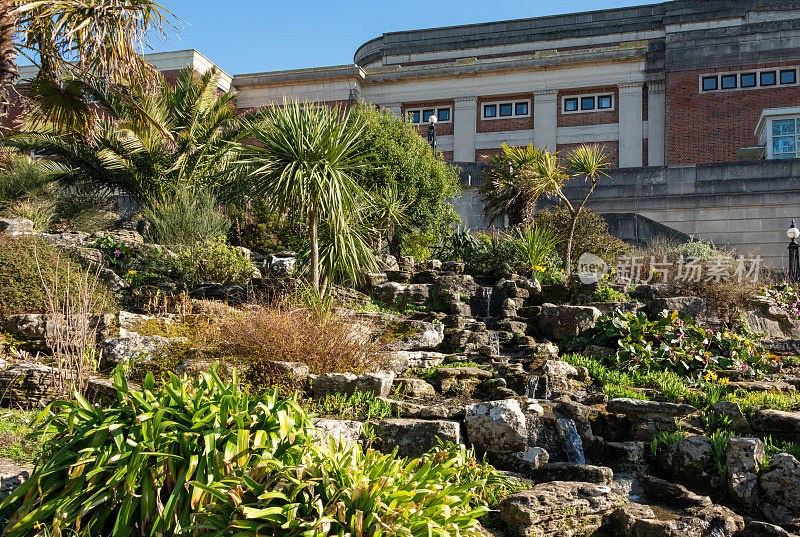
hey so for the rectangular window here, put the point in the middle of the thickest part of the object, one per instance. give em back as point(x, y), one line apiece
point(570, 105)
point(414, 116)
point(767, 78)
point(788, 76)
point(587, 103)
point(748, 80)
point(604, 102)
point(506, 110)
point(443, 114)
point(728, 81)
point(521, 109)
point(709, 83)
point(490, 110)
point(426, 115)
point(784, 138)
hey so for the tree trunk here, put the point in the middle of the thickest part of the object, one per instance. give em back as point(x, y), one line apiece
point(395, 246)
point(568, 261)
point(8, 55)
point(314, 224)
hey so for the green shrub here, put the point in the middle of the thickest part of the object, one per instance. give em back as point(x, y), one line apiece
point(359, 405)
point(343, 490)
point(40, 211)
point(591, 234)
point(535, 245)
point(210, 261)
point(674, 343)
point(21, 289)
point(695, 248)
point(21, 178)
point(189, 217)
point(606, 293)
point(142, 466)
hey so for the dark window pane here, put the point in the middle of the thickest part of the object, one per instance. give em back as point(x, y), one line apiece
point(788, 77)
point(604, 101)
point(768, 78)
point(570, 105)
point(506, 110)
point(414, 116)
point(426, 114)
point(443, 114)
point(521, 109)
point(587, 103)
point(490, 110)
point(709, 83)
point(728, 81)
point(748, 80)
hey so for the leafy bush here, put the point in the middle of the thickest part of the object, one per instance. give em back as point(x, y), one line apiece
point(210, 261)
point(40, 211)
point(21, 178)
point(785, 294)
point(674, 343)
point(344, 490)
point(605, 293)
point(591, 234)
point(191, 216)
point(694, 249)
point(21, 289)
point(116, 254)
point(142, 466)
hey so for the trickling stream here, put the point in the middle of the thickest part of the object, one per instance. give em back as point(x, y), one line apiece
point(572, 441)
point(533, 386)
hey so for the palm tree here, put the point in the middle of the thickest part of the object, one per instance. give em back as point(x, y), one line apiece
point(522, 176)
point(101, 38)
point(145, 143)
point(304, 159)
point(506, 191)
point(390, 215)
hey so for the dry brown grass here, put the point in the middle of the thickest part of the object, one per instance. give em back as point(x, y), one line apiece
point(262, 335)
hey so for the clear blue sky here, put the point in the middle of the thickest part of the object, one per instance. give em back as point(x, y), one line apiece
point(248, 36)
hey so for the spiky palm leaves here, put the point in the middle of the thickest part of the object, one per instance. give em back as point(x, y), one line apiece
point(146, 144)
point(305, 159)
point(520, 176)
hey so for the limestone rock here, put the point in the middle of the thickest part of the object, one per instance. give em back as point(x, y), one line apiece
point(400, 361)
point(567, 471)
point(497, 426)
point(12, 475)
point(379, 384)
point(558, 509)
point(526, 462)
point(780, 484)
point(394, 293)
point(346, 431)
point(743, 456)
point(296, 371)
point(637, 520)
point(734, 412)
point(414, 437)
point(14, 226)
point(756, 528)
point(387, 262)
point(412, 336)
point(638, 407)
point(671, 494)
point(137, 349)
point(777, 421)
point(559, 322)
point(413, 387)
point(687, 305)
point(689, 461)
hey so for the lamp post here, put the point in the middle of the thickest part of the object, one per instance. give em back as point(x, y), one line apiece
point(794, 262)
point(432, 131)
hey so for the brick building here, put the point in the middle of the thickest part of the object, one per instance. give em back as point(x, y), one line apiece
point(681, 83)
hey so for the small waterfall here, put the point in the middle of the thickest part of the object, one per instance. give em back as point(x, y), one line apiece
point(495, 342)
point(572, 441)
point(533, 386)
point(488, 291)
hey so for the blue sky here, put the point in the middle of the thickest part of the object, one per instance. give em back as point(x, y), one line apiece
point(247, 36)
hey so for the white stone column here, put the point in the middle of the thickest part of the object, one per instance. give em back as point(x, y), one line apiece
point(630, 124)
point(465, 123)
point(545, 119)
point(656, 123)
point(394, 108)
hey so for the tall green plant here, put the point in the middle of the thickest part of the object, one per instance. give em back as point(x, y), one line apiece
point(536, 244)
point(305, 159)
point(143, 465)
point(187, 218)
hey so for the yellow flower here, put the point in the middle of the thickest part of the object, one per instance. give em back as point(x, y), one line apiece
point(724, 381)
point(710, 376)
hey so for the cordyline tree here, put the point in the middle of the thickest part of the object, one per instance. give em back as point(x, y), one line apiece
point(305, 159)
point(101, 38)
point(520, 176)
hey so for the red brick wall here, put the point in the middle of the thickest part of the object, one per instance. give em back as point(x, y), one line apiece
point(510, 124)
point(442, 129)
point(587, 118)
point(711, 127)
point(485, 155)
point(611, 148)
point(447, 155)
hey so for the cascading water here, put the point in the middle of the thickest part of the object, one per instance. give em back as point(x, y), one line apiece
point(533, 386)
point(495, 342)
point(573, 445)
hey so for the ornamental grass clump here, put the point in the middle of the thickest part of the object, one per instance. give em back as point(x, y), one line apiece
point(342, 490)
point(142, 465)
